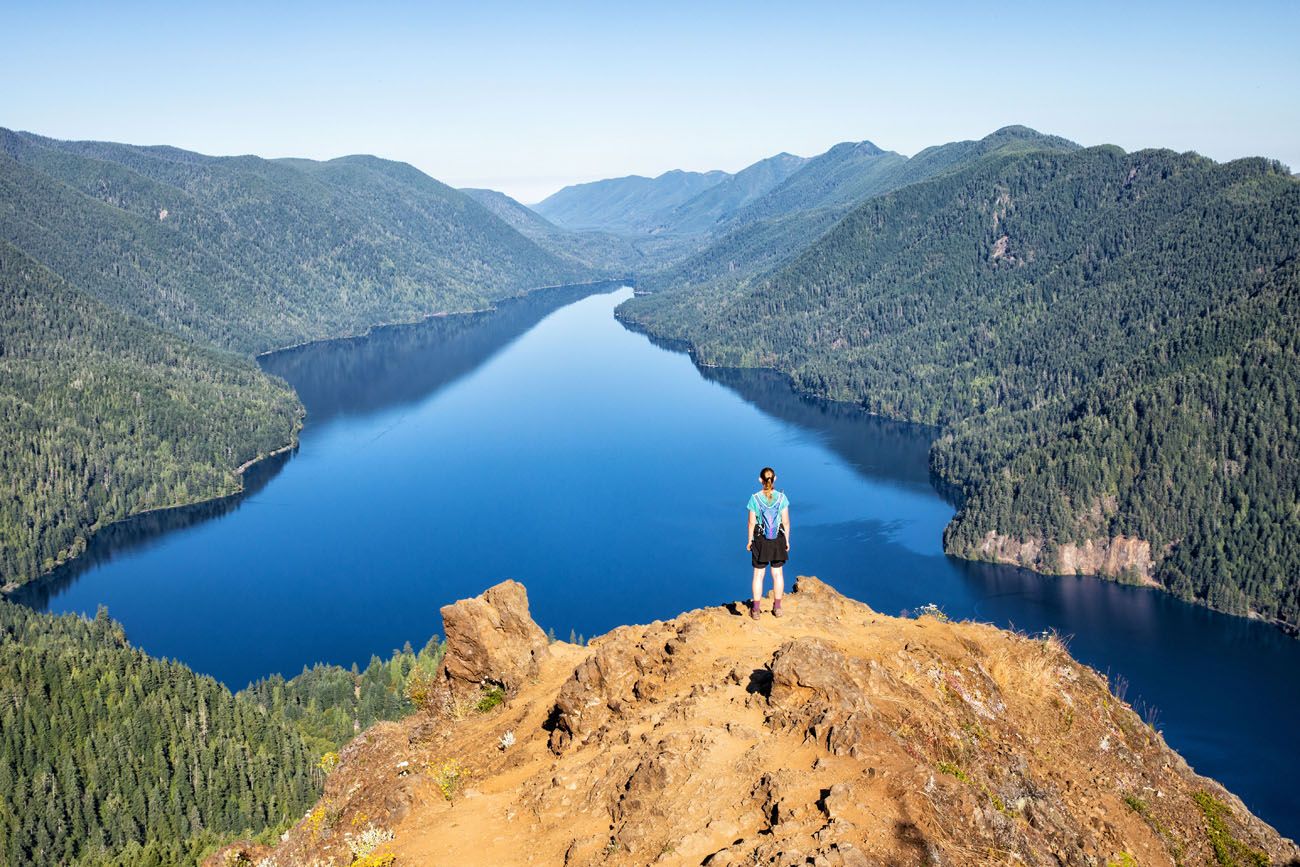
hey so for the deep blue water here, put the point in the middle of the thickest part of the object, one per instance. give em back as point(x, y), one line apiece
point(547, 443)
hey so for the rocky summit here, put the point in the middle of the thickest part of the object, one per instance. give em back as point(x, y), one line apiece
point(832, 736)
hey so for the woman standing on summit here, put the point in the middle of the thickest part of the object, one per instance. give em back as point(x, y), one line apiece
point(768, 542)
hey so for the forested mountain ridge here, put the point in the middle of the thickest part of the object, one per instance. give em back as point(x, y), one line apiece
point(775, 228)
point(123, 269)
point(1106, 338)
point(103, 416)
point(707, 209)
point(845, 174)
point(252, 254)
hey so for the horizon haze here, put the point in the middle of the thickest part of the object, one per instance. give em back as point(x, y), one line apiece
point(527, 100)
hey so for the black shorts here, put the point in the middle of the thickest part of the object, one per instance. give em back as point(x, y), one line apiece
point(768, 552)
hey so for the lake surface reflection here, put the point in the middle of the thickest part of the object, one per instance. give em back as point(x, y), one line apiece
point(547, 443)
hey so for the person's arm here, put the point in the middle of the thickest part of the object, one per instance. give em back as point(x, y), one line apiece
point(749, 531)
point(785, 519)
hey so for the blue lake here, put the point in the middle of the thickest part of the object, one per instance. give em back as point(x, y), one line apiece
point(545, 442)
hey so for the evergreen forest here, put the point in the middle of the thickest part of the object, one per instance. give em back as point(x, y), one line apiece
point(112, 758)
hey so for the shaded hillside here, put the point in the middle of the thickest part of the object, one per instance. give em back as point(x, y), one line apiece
point(833, 736)
point(103, 415)
point(604, 252)
point(252, 254)
point(627, 205)
point(1108, 337)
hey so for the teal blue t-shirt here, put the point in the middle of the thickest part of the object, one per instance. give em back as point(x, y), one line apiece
point(757, 502)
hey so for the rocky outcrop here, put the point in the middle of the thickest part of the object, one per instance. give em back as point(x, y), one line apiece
point(833, 736)
point(821, 693)
point(491, 639)
point(1123, 557)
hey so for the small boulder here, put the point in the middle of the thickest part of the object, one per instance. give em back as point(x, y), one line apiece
point(810, 669)
point(492, 639)
point(838, 801)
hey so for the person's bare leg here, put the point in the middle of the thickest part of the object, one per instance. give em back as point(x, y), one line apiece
point(757, 590)
point(778, 588)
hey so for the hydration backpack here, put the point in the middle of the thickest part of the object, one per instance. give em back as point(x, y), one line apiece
point(770, 513)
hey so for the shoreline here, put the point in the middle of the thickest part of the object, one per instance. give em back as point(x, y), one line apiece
point(689, 348)
point(252, 462)
point(8, 589)
point(403, 323)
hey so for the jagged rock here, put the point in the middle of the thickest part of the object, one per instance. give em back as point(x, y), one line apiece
point(491, 639)
point(818, 689)
point(810, 669)
point(838, 801)
point(620, 673)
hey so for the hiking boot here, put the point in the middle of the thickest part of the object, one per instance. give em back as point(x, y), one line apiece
point(776, 608)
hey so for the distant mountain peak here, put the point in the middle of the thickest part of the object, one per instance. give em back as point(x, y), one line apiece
point(1017, 132)
point(863, 147)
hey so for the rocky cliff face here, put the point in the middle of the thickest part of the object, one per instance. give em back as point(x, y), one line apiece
point(832, 736)
point(1117, 557)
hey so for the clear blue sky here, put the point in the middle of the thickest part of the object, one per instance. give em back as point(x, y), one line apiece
point(529, 97)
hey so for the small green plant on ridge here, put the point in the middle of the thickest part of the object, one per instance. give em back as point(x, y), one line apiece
point(953, 771)
point(492, 697)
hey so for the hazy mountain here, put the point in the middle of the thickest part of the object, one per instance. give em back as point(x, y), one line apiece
point(627, 205)
point(609, 254)
point(847, 173)
point(706, 210)
point(1109, 341)
point(518, 216)
point(252, 254)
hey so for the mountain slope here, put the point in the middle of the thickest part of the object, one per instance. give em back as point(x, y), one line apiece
point(1060, 313)
point(120, 266)
point(627, 205)
point(141, 762)
point(845, 174)
point(836, 735)
point(776, 227)
point(252, 254)
point(103, 416)
point(706, 210)
point(518, 216)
